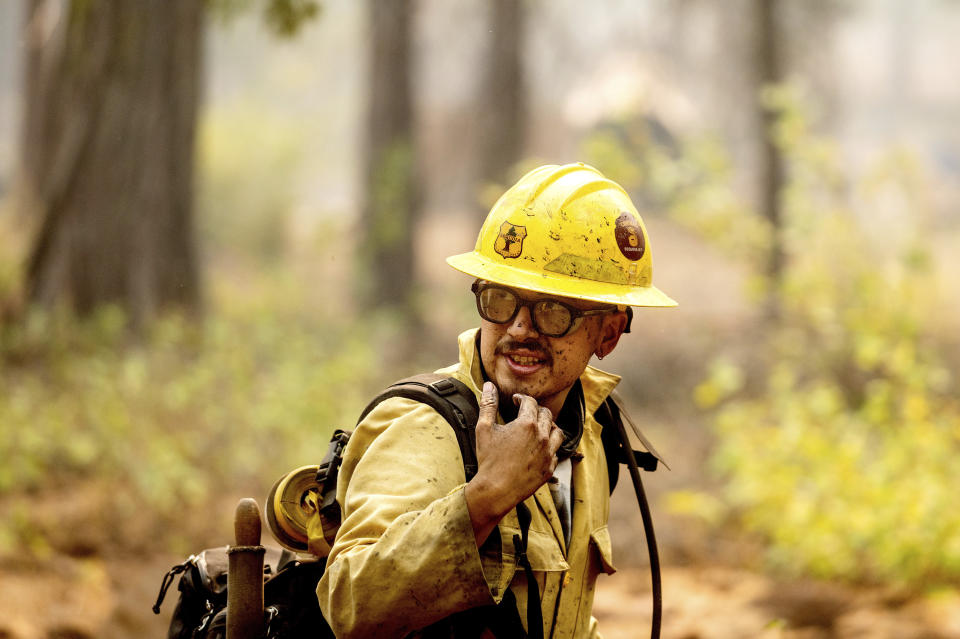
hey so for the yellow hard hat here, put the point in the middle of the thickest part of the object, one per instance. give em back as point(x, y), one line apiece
point(566, 231)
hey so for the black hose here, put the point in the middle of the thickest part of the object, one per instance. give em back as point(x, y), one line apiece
point(647, 531)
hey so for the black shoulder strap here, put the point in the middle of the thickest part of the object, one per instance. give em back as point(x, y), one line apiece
point(450, 397)
point(609, 416)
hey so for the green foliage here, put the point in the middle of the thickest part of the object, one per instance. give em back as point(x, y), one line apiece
point(165, 427)
point(845, 460)
point(284, 17)
point(843, 457)
point(248, 161)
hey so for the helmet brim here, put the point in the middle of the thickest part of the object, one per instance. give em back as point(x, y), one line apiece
point(556, 284)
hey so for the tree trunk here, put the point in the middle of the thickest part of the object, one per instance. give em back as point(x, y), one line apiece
point(503, 130)
point(392, 192)
point(112, 89)
point(767, 71)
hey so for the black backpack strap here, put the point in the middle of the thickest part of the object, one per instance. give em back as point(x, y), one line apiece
point(622, 413)
point(450, 397)
point(168, 580)
point(610, 415)
point(534, 613)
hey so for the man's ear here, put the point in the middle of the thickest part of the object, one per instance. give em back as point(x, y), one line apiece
point(611, 329)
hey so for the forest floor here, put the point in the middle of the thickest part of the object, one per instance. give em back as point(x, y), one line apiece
point(716, 602)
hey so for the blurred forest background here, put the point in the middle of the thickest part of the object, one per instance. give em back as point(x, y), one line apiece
point(222, 229)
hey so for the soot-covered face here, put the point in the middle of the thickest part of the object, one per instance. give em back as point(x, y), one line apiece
point(518, 359)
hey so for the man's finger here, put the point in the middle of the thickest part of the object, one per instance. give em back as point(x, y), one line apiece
point(556, 440)
point(544, 421)
point(489, 401)
point(528, 407)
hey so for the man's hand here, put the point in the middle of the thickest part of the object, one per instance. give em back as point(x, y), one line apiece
point(513, 459)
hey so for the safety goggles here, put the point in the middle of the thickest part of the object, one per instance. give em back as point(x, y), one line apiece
point(551, 317)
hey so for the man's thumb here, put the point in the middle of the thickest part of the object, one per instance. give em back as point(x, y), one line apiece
point(488, 403)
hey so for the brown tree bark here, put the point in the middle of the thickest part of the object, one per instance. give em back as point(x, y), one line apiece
point(112, 89)
point(767, 71)
point(503, 118)
point(392, 194)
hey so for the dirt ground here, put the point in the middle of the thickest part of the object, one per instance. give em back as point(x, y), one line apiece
point(714, 602)
point(94, 599)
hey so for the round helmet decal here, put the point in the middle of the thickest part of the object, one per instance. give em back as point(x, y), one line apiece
point(630, 237)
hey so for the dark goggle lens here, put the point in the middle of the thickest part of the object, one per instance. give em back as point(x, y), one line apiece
point(500, 306)
point(497, 304)
point(551, 318)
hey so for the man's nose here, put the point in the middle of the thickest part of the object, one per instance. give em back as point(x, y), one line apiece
point(522, 325)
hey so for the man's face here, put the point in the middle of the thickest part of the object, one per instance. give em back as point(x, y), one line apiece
point(518, 359)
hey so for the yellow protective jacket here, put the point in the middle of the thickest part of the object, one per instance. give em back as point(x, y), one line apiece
point(405, 555)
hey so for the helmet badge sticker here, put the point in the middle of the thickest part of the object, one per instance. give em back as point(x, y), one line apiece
point(630, 237)
point(509, 242)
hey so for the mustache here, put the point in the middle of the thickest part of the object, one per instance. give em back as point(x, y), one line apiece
point(505, 345)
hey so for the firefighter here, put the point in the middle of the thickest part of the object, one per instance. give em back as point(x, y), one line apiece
point(559, 261)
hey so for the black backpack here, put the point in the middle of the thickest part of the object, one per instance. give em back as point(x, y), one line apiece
point(291, 608)
point(289, 594)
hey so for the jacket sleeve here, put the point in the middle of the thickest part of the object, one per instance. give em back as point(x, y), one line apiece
point(405, 555)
